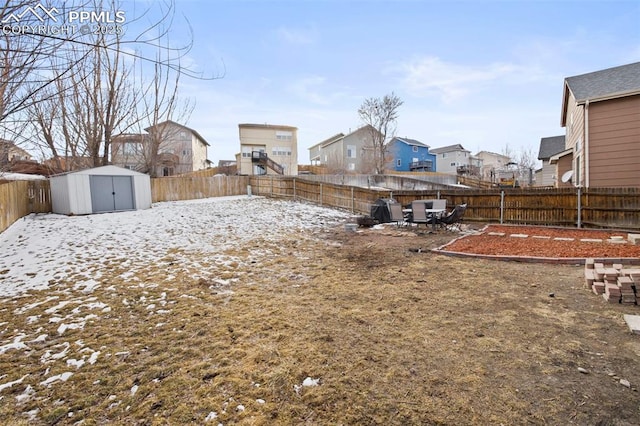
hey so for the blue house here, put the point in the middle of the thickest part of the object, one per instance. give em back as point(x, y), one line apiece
point(409, 155)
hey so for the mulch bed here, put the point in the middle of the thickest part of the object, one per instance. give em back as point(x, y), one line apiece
point(485, 244)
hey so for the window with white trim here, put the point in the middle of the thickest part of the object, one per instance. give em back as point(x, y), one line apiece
point(351, 151)
point(399, 162)
point(284, 135)
point(415, 148)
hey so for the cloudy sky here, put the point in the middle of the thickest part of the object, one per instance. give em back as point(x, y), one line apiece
point(485, 74)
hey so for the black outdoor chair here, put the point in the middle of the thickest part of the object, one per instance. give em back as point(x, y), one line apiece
point(452, 221)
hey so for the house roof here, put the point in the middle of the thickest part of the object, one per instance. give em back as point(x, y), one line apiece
point(411, 142)
point(601, 85)
point(550, 146)
point(266, 126)
point(329, 141)
point(180, 125)
point(449, 148)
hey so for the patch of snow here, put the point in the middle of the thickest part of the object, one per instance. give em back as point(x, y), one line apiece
point(93, 358)
point(75, 362)
point(10, 384)
point(211, 416)
point(310, 382)
point(134, 389)
point(74, 247)
point(59, 377)
point(17, 344)
point(26, 395)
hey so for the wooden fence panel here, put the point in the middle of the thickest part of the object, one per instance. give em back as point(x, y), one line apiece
point(190, 188)
point(19, 198)
point(601, 207)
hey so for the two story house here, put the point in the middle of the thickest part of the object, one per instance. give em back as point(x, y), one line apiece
point(449, 158)
point(601, 115)
point(267, 149)
point(9, 152)
point(410, 155)
point(167, 149)
point(492, 164)
point(350, 153)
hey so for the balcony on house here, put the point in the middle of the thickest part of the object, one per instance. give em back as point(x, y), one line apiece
point(262, 158)
point(421, 166)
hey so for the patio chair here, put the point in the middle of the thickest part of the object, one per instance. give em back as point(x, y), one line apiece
point(397, 216)
point(418, 213)
point(453, 220)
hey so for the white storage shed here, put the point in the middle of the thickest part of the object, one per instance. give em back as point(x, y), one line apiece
point(100, 190)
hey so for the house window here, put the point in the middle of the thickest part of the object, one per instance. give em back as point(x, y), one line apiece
point(415, 149)
point(246, 151)
point(352, 166)
point(281, 150)
point(284, 136)
point(453, 164)
point(185, 152)
point(444, 155)
point(183, 135)
point(351, 151)
point(130, 148)
point(398, 163)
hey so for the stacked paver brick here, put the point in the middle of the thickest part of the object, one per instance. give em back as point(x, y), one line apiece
point(615, 282)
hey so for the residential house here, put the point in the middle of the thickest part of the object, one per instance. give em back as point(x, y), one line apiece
point(549, 147)
point(351, 153)
point(9, 152)
point(267, 149)
point(492, 165)
point(167, 149)
point(449, 158)
point(601, 115)
point(410, 155)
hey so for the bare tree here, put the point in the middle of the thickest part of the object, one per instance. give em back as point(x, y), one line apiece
point(381, 115)
point(84, 91)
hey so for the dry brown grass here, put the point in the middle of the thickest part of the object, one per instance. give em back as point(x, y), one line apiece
point(395, 337)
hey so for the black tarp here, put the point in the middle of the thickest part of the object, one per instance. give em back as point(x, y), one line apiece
point(380, 210)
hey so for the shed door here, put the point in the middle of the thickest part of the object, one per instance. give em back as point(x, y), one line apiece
point(111, 193)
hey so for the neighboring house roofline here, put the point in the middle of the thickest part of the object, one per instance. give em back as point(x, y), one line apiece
point(328, 141)
point(449, 148)
point(550, 146)
point(198, 135)
point(554, 158)
point(493, 153)
point(597, 86)
point(266, 126)
point(410, 142)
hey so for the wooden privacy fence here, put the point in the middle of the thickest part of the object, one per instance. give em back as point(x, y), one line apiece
point(19, 198)
point(594, 207)
point(189, 188)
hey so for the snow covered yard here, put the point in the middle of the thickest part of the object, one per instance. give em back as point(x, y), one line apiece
point(86, 292)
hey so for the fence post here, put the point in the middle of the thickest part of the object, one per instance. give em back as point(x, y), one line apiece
point(272, 185)
point(294, 189)
point(353, 201)
point(501, 206)
point(579, 207)
point(320, 194)
point(438, 196)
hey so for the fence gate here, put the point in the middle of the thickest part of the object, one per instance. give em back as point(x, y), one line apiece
point(111, 193)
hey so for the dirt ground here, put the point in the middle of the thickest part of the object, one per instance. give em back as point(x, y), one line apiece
point(343, 327)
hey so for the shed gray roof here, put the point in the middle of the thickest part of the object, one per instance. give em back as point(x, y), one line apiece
point(618, 80)
point(550, 146)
